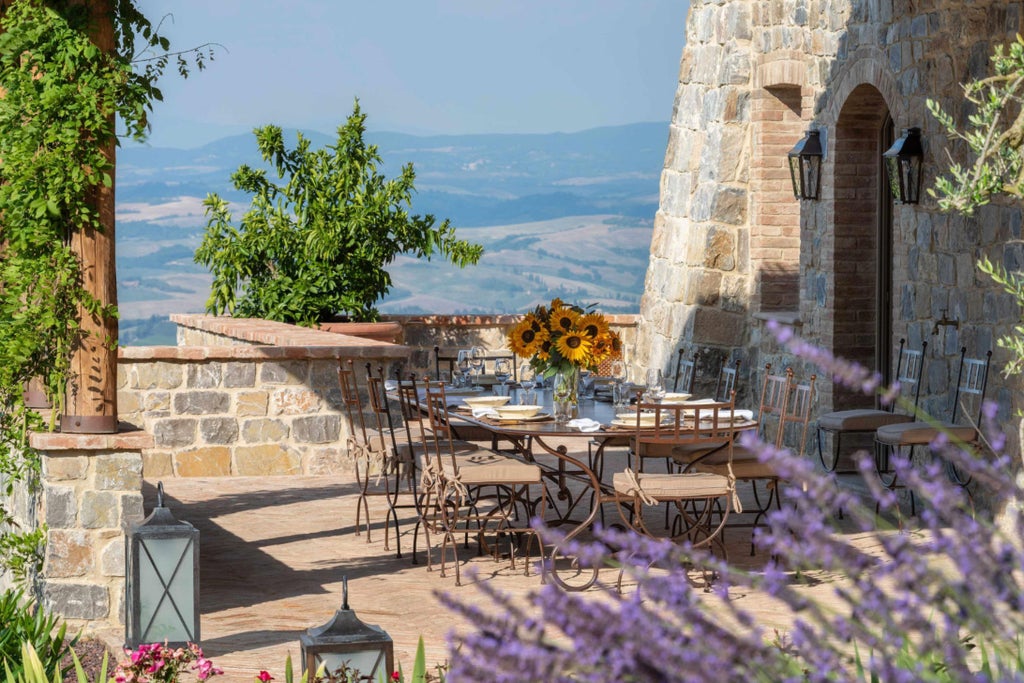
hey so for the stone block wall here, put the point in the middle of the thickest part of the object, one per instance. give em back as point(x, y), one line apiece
point(243, 397)
point(90, 492)
point(732, 247)
point(452, 332)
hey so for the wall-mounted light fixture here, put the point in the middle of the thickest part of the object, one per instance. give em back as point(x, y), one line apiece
point(903, 166)
point(805, 163)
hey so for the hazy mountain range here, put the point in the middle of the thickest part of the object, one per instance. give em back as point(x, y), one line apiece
point(566, 214)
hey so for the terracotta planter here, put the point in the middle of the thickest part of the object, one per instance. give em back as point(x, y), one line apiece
point(390, 332)
point(35, 395)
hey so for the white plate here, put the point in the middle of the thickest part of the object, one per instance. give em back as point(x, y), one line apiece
point(631, 422)
point(517, 411)
point(533, 418)
point(486, 401)
point(676, 398)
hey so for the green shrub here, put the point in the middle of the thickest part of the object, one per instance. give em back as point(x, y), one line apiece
point(32, 669)
point(23, 623)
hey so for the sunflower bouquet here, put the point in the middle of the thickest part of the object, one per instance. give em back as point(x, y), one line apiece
point(563, 337)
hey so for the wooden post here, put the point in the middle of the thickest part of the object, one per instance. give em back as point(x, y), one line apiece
point(91, 405)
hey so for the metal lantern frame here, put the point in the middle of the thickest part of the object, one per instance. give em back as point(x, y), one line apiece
point(345, 636)
point(903, 162)
point(157, 590)
point(806, 162)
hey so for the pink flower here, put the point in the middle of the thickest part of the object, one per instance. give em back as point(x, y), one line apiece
point(395, 676)
point(264, 676)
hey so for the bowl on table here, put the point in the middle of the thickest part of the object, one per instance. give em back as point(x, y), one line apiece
point(517, 412)
point(485, 401)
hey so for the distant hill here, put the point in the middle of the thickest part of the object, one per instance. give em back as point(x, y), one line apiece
point(560, 213)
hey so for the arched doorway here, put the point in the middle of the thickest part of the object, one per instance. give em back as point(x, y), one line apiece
point(862, 238)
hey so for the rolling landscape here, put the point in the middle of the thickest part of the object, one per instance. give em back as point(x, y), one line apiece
point(558, 215)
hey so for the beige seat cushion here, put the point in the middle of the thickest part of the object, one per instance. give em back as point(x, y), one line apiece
point(481, 467)
point(742, 469)
point(684, 454)
point(921, 433)
point(673, 486)
point(860, 420)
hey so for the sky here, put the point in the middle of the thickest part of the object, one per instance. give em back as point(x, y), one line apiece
point(419, 66)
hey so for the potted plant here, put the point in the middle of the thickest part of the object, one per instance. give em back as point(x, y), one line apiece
point(316, 245)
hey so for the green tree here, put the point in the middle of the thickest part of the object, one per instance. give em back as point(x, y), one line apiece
point(995, 136)
point(317, 244)
point(61, 96)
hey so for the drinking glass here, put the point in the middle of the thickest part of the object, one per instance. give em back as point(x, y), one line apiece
point(620, 388)
point(655, 385)
point(502, 372)
point(527, 380)
point(560, 393)
point(586, 384)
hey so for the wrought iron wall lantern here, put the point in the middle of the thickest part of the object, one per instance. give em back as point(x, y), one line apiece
point(162, 579)
point(903, 166)
point(805, 163)
point(345, 640)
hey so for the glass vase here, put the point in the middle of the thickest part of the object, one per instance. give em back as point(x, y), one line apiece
point(566, 395)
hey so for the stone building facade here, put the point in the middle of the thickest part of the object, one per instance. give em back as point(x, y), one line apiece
point(852, 272)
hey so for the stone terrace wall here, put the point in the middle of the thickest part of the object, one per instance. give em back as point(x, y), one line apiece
point(243, 397)
point(423, 333)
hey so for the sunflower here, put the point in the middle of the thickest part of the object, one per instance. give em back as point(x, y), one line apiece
point(593, 325)
point(575, 347)
point(602, 348)
point(526, 337)
point(544, 352)
point(564, 319)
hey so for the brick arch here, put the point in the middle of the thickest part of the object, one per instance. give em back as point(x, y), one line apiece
point(867, 66)
point(781, 103)
point(858, 215)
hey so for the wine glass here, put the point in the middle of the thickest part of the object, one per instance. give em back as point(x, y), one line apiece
point(655, 385)
point(502, 372)
point(527, 380)
point(462, 364)
point(476, 359)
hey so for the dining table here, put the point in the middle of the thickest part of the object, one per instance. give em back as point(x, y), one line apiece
point(579, 488)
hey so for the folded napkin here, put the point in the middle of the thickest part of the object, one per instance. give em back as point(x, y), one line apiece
point(584, 424)
point(485, 412)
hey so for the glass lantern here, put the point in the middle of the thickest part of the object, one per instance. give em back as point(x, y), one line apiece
point(161, 580)
point(345, 640)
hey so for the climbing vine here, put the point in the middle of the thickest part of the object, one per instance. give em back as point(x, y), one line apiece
point(60, 95)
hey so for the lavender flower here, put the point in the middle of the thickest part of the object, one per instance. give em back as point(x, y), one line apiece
point(918, 603)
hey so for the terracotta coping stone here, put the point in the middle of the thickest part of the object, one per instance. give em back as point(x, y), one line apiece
point(272, 341)
point(128, 439)
point(621, 319)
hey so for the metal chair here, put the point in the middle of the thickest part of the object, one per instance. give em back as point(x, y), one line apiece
point(972, 381)
point(702, 500)
point(473, 492)
point(368, 447)
point(686, 372)
point(398, 467)
point(784, 402)
point(909, 366)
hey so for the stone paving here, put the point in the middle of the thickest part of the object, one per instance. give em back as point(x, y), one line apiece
point(274, 551)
